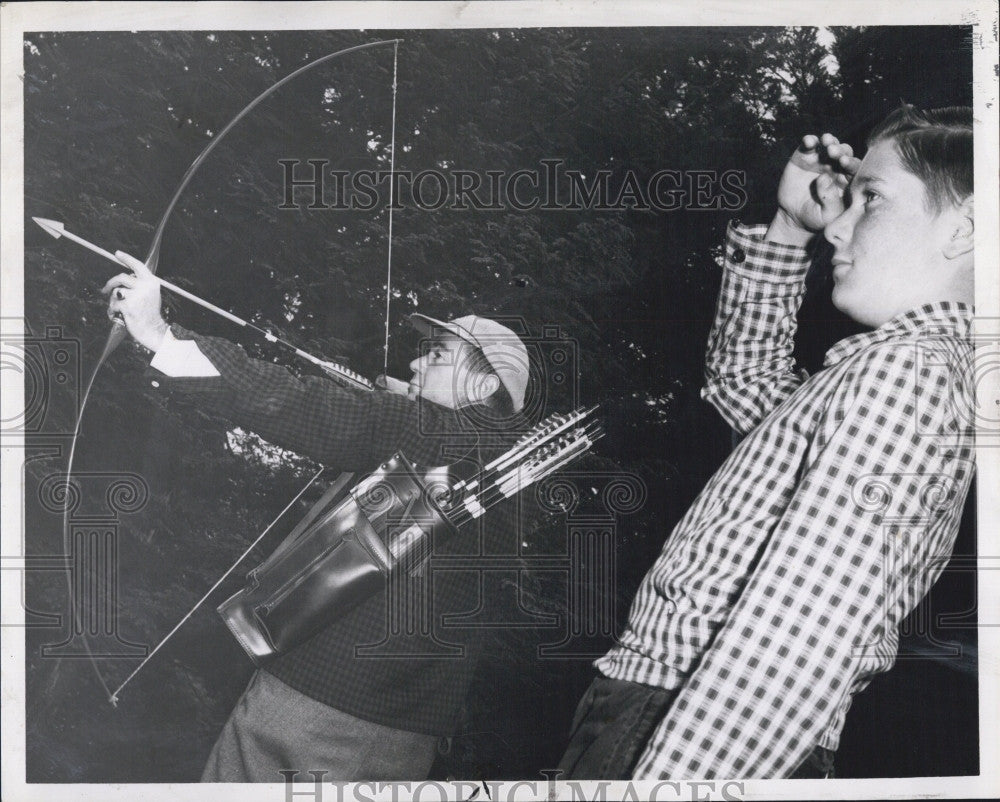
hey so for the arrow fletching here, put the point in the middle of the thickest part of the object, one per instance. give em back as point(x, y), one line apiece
point(345, 376)
point(551, 445)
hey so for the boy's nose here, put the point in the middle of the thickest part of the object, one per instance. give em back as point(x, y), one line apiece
point(838, 230)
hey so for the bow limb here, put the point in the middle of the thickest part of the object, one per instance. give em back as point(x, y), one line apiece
point(118, 332)
point(115, 337)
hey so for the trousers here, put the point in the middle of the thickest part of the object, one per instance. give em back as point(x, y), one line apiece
point(615, 720)
point(274, 727)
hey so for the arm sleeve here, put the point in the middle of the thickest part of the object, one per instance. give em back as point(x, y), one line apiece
point(749, 365)
point(311, 415)
point(866, 534)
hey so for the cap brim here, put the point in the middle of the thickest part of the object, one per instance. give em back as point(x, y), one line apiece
point(428, 326)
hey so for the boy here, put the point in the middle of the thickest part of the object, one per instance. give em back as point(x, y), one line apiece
point(779, 594)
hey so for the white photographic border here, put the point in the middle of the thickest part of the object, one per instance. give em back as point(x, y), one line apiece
point(17, 18)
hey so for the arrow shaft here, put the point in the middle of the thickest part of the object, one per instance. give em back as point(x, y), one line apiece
point(90, 246)
point(328, 367)
point(194, 298)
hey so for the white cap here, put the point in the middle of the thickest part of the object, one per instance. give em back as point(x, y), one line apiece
point(502, 348)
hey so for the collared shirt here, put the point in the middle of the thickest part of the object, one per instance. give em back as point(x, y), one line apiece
point(779, 594)
point(181, 358)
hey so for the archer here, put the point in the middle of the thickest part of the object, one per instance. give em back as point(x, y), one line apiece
point(324, 705)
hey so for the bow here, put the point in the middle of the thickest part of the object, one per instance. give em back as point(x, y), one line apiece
point(118, 331)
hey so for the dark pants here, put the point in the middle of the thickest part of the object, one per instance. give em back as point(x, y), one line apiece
point(615, 720)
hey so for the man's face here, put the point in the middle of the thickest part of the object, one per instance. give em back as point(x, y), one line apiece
point(888, 243)
point(440, 373)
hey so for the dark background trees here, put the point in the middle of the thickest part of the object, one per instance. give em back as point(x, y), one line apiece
point(631, 290)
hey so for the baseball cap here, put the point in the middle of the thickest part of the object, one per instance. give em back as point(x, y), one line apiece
point(502, 348)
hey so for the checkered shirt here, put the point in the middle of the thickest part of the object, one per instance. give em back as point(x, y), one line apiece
point(408, 664)
point(779, 594)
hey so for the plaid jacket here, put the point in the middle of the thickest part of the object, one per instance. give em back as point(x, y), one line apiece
point(779, 594)
point(405, 659)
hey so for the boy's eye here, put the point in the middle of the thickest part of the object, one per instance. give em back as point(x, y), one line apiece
point(869, 195)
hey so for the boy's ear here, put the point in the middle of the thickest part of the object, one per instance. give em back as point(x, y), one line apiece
point(963, 230)
point(484, 385)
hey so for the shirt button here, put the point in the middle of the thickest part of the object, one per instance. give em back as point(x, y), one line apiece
point(738, 256)
point(155, 383)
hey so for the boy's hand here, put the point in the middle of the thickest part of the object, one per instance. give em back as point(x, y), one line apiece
point(135, 300)
point(811, 190)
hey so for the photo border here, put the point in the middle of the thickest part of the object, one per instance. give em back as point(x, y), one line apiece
point(18, 18)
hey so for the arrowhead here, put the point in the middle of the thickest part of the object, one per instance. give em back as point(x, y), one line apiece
point(54, 227)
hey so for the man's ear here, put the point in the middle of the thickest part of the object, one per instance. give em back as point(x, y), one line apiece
point(484, 385)
point(963, 230)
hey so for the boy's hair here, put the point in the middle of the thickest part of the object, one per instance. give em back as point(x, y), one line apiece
point(934, 145)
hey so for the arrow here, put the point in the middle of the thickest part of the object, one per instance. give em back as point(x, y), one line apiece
point(57, 230)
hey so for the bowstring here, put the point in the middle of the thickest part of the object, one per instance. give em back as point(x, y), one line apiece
point(392, 200)
point(113, 696)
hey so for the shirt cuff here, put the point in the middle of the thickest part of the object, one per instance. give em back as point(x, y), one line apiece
point(177, 358)
point(748, 252)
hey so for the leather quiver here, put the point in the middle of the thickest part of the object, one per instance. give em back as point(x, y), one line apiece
point(344, 555)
